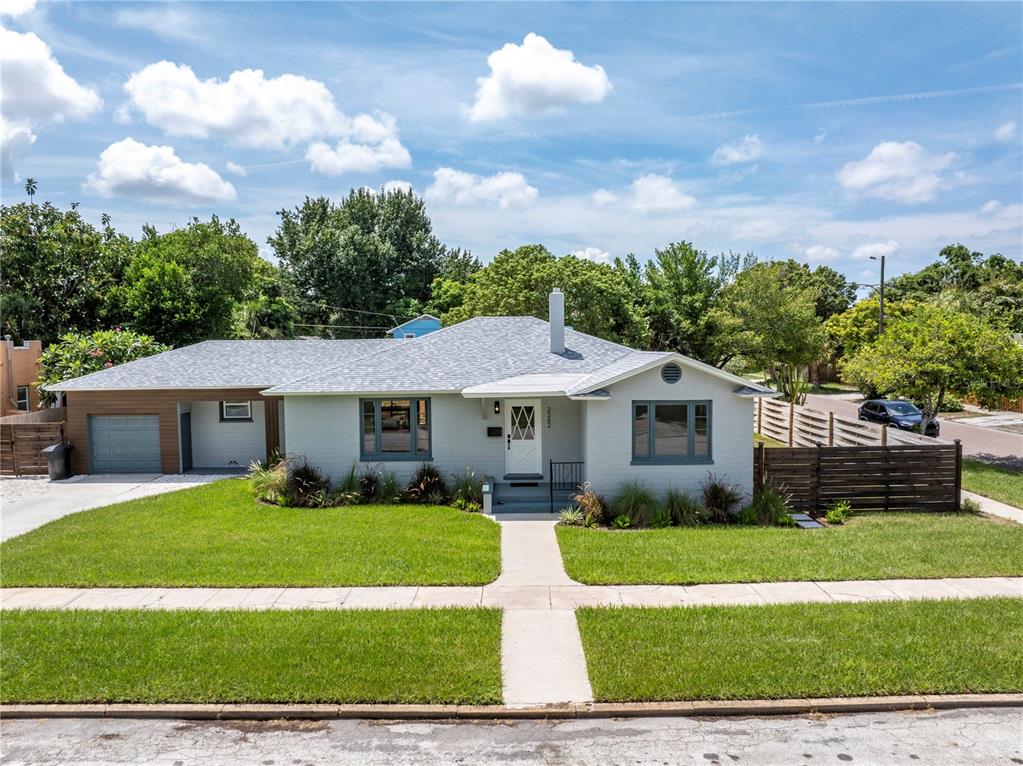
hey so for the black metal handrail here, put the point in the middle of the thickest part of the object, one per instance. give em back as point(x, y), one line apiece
point(565, 476)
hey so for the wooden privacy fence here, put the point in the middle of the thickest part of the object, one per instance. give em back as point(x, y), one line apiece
point(890, 478)
point(799, 426)
point(23, 436)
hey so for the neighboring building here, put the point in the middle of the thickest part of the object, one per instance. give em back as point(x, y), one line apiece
point(514, 398)
point(19, 370)
point(415, 328)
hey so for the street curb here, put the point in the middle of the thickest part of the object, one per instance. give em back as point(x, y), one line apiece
point(268, 712)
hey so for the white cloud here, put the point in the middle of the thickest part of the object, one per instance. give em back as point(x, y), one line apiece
point(1007, 131)
point(156, 173)
point(991, 206)
point(658, 194)
point(15, 141)
point(603, 198)
point(901, 172)
point(820, 253)
point(248, 109)
point(170, 22)
point(748, 148)
point(398, 185)
point(35, 86)
point(238, 170)
point(16, 7)
point(382, 149)
point(593, 254)
point(876, 249)
point(535, 77)
point(508, 190)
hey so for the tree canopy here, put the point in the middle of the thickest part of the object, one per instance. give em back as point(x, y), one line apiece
point(931, 351)
point(517, 282)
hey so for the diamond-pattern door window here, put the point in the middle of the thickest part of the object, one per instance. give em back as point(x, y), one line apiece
point(523, 426)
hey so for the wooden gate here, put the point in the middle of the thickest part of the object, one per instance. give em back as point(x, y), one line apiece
point(23, 436)
point(891, 478)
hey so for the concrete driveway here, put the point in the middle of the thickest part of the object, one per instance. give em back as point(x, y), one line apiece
point(30, 502)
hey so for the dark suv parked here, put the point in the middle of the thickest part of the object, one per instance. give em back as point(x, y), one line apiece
point(897, 413)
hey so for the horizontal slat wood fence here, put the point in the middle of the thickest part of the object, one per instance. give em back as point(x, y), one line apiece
point(23, 436)
point(799, 426)
point(874, 478)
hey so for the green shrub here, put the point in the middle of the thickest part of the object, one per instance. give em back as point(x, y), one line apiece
point(621, 521)
point(426, 486)
point(350, 483)
point(593, 506)
point(719, 498)
point(390, 489)
point(769, 507)
point(572, 517)
point(685, 510)
point(468, 486)
point(838, 512)
point(661, 519)
point(637, 502)
point(269, 481)
point(747, 515)
point(466, 505)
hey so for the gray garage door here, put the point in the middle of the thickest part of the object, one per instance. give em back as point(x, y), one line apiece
point(124, 443)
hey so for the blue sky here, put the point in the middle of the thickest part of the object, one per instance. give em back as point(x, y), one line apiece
point(821, 132)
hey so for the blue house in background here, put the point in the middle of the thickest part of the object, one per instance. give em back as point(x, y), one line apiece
point(413, 328)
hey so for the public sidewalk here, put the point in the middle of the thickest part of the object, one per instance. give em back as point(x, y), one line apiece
point(996, 508)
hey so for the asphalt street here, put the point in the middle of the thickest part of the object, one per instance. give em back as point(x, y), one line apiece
point(988, 444)
point(981, 736)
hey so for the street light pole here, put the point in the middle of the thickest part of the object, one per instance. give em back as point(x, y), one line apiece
point(880, 315)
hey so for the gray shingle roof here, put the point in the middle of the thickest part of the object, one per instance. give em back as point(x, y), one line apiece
point(470, 353)
point(227, 364)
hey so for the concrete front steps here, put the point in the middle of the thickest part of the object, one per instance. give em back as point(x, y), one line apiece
point(524, 497)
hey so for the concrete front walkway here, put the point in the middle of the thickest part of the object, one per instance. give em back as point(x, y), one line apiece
point(27, 503)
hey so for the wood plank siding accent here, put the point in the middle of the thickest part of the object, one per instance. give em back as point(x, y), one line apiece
point(164, 404)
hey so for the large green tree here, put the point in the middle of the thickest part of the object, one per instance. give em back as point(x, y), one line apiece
point(57, 272)
point(182, 286)
point(517, 282)
point(77, 354)
point(774, 325)
point(681, 287)
point(363, 262)
point(932, 351)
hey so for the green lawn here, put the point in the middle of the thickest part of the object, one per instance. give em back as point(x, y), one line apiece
point(994, 482)
point(218, 535)
point(412, 656)
point(804, 650)
point(869, 547)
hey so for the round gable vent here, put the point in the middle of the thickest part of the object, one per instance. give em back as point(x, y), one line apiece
point(671, 373)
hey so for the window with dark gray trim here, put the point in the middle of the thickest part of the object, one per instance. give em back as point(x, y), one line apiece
point(236, 411)
point(671, 432)
point(22, 398)
point(394, 429)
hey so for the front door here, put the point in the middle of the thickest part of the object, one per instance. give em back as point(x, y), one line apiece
point(522, 437)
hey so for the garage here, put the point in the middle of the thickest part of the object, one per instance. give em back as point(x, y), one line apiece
point(124, 443)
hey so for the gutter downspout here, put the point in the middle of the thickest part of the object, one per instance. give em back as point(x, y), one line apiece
point(9, 347)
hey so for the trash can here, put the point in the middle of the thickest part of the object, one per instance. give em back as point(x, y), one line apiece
point(58, 461)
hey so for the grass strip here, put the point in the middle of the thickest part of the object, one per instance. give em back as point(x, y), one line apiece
point(218, 535)
point(869, 547)
point(1002, 484)
point(804, 650)
point(410, 656)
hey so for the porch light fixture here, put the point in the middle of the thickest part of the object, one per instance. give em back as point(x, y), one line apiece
point(497, 406)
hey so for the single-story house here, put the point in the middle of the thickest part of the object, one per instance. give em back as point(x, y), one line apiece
point(523, 401)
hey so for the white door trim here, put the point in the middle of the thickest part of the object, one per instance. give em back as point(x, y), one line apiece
point(523, 455)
